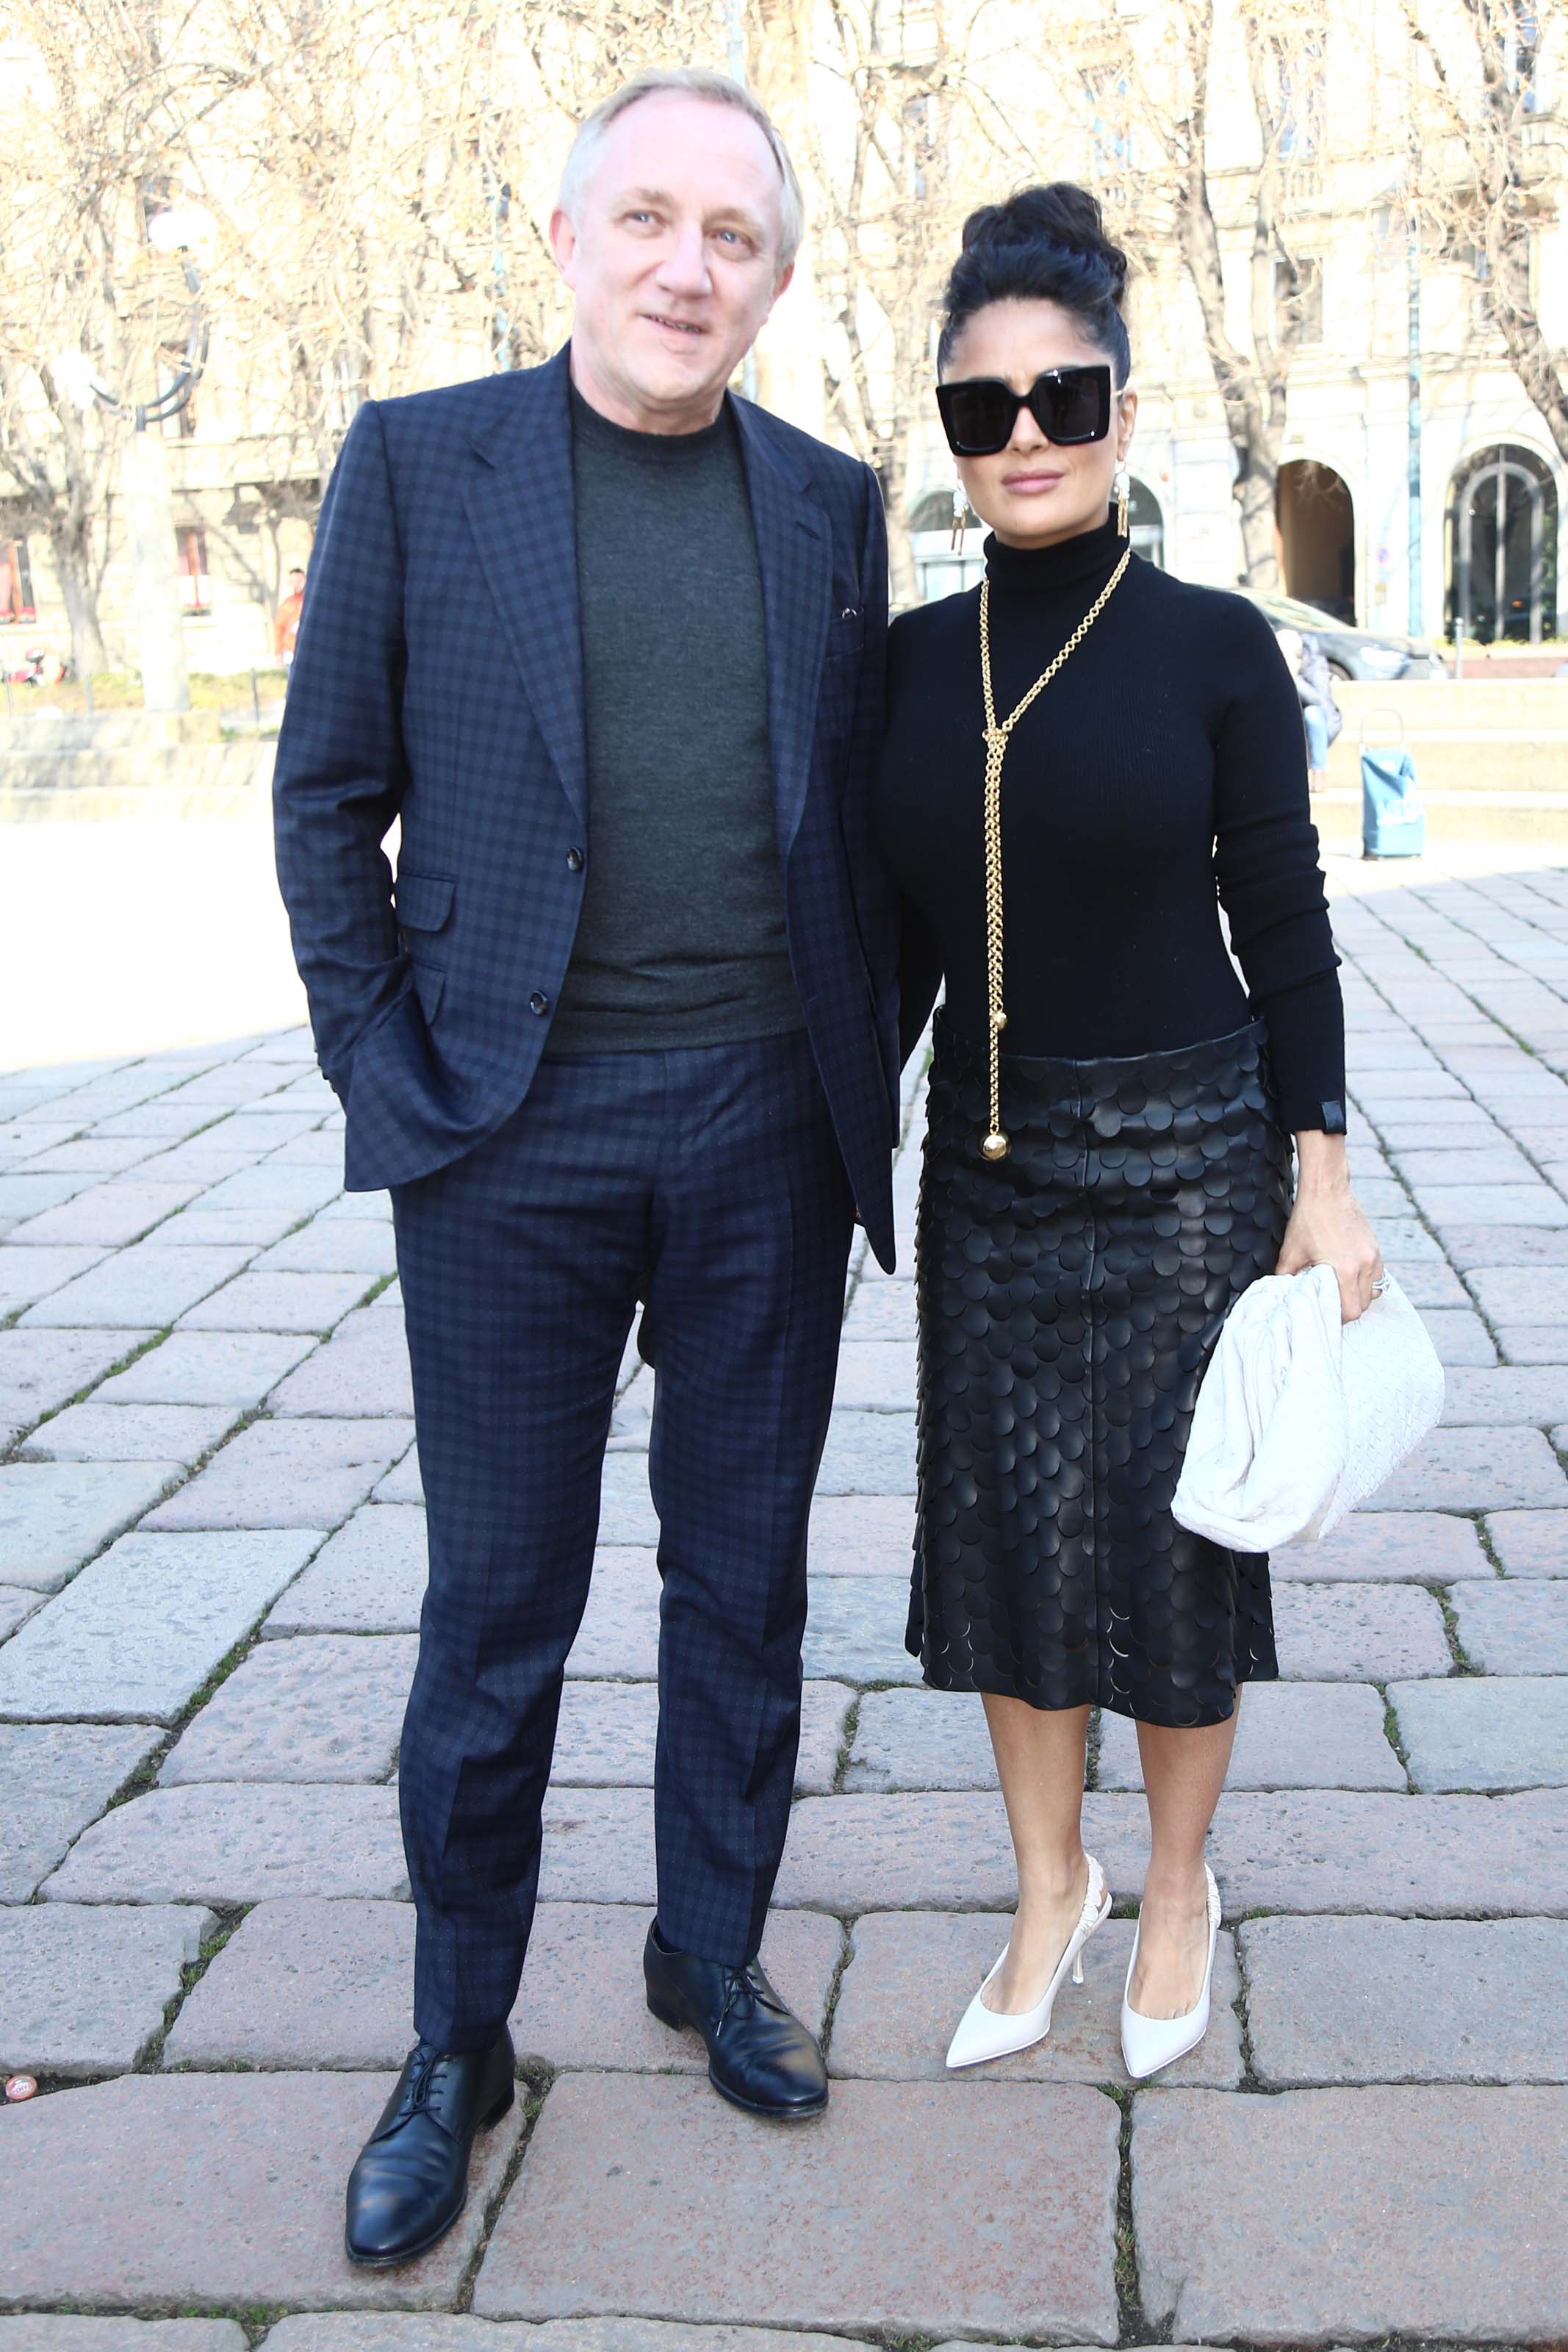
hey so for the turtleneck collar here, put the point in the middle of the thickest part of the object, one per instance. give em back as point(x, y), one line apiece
point(1043, 571)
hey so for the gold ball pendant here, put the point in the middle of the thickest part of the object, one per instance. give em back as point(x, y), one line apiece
point(994, 1146)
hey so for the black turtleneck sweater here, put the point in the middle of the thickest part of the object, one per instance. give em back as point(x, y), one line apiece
point(1160, 776)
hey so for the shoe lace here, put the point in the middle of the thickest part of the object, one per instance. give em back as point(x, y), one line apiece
point(748, 1980)
point(427, 2065)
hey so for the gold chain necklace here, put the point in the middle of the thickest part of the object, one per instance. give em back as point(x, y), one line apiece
point(994, 1145)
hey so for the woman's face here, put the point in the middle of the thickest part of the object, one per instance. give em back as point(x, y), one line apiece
point(1034, 493)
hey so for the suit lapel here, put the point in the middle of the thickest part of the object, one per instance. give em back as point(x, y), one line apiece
point(794, 554)
point(522, 514)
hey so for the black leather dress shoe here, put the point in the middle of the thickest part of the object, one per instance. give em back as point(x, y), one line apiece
point(760, 2056)
point(410, 2181)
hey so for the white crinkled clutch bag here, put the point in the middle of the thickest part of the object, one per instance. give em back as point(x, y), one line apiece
point(1300, 1417)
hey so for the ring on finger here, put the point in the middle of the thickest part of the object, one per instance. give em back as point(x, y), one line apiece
point(1379, 1285)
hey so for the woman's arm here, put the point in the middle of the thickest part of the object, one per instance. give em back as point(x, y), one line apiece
point(1327, 1227)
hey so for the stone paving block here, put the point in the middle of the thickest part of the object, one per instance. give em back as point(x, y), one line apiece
point(876, 1374)
point(142, 1285)
point(626, 1513)
point(360, 1204)
point(882, 1311)
point(200, 1226)
point(1502, 1204)
point(1382, 1196)
point(403, 1483)
point(204, 1156)
point(334, 1246)
point(1534, 1343)
point(1497, 1731)
point(599, 1845)
point(1458, 1335)
point(221, 2188)
point(140, 1630)
point(42, 2331)
point(1483, 1164)
point(853, 1853)
point(1429, 2000)
point(287, 1474)
point(363, 1369)
point(619, 1630)
point(228, 1844)
point(1513, 1293)
point(1290, 1736)
point(912, 1974)
point(1474, 1470)
point(1406, 1243)
point(1530, 1543)
point(370, 1578)
point(921, 1740)
point(862, 1535)
point(175, 1435)
point(233, 1367)
point(41, 1371)
point(110, 1214)
point(1385, 1548)
point(1513, 1628)
point(1433, 2211)
point(824, 1712)
point(16, 1605)
point(279, 1302)
point(1427, 1282)
point(396, 2331)
point(1506, 1397)
point(33, 1275)
point(316, 1147)
point(164, 1121)
point(301, 1191)
point(929, 2233)
point(868, 1453)
point(582, 2002)
point(325, 1708)
point(83, 1990)
point(1358, 1632)
point(21, 1141)
point(854, 1631)
point(56, 1515)
point(1336, 1849)
point(54, 1779)
point(24, 1196)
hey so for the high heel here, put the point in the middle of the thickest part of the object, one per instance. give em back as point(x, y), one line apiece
point(987, 2032)
point(1150, 2042)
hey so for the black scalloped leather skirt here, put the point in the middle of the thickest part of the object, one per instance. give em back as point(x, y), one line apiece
point(1069, 1297)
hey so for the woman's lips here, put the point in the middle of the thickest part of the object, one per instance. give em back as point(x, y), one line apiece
point(1030, 481)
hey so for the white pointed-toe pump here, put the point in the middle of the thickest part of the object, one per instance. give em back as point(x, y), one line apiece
point(987, 2034)
point(1150, 2042)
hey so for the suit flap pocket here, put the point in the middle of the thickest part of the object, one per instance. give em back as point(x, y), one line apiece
point(423, 900)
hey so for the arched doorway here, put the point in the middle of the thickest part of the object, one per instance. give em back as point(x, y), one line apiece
point(1146, 522)
point(1502, 547)
point(1315, 517)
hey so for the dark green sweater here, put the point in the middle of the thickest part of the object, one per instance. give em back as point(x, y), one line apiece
point(682, 938)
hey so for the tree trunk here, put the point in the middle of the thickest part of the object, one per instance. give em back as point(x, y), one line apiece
point(903, 583)
point(73, 569)
point(1255, 491)
point(1527, 350)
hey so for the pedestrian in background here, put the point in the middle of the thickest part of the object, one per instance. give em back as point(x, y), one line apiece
point(286, 621)
point(609, 643)
point(1321, 718)
point(1103, 755)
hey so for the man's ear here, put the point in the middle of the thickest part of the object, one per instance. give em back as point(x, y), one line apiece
point(780, 287)
point(563, 242)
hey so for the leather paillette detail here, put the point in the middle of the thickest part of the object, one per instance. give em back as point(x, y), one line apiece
point(1334, 1117)
point(1068, 1297)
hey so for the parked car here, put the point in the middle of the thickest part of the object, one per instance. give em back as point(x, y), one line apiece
point(1378, 654)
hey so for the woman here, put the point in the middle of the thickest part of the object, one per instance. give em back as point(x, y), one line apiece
point(1108, 1160)
point(1321, 716)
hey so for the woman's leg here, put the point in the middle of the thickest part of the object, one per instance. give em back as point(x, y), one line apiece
point(1317, 729)
point(1184, 1772)
point(1040, 1759)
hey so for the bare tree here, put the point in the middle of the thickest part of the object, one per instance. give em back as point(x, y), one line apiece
point(1479, 112)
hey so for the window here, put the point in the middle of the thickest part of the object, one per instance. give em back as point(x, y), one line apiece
point(192, 561)
point(1110, 130)
point(1299, 299)
point(15, 584)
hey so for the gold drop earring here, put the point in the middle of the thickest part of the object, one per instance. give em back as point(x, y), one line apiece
point(1120, 488)
point(960, 516)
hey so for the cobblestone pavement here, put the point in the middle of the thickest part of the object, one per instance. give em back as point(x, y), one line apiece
point(211, 1538)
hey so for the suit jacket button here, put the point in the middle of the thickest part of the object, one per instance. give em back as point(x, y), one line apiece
point(538, 1002)
point(574, 859)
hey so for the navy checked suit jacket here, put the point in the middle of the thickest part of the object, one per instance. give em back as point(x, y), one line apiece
point(438, 680)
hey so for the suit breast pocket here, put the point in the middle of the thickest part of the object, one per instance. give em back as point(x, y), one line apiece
point(846, 634)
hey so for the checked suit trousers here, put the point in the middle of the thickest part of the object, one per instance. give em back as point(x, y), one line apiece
point(706, 1183)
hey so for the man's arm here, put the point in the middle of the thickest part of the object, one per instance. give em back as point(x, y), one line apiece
point(340, 774)
point(875, 906)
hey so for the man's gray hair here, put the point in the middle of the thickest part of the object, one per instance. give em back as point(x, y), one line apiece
point(690, 81)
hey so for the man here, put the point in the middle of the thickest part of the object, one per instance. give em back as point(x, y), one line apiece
point(286, 621)
point(609, 643)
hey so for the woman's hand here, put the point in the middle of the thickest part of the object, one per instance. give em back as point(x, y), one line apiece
point(1327, 1227)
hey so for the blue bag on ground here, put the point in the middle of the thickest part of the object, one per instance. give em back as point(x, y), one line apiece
point(1393, 822)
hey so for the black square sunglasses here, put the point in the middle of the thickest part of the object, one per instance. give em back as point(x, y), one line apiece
point(1068, 405)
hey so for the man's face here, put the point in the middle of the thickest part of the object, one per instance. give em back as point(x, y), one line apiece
point(673, 260)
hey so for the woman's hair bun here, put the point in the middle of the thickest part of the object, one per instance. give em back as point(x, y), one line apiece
point(1044, 244)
